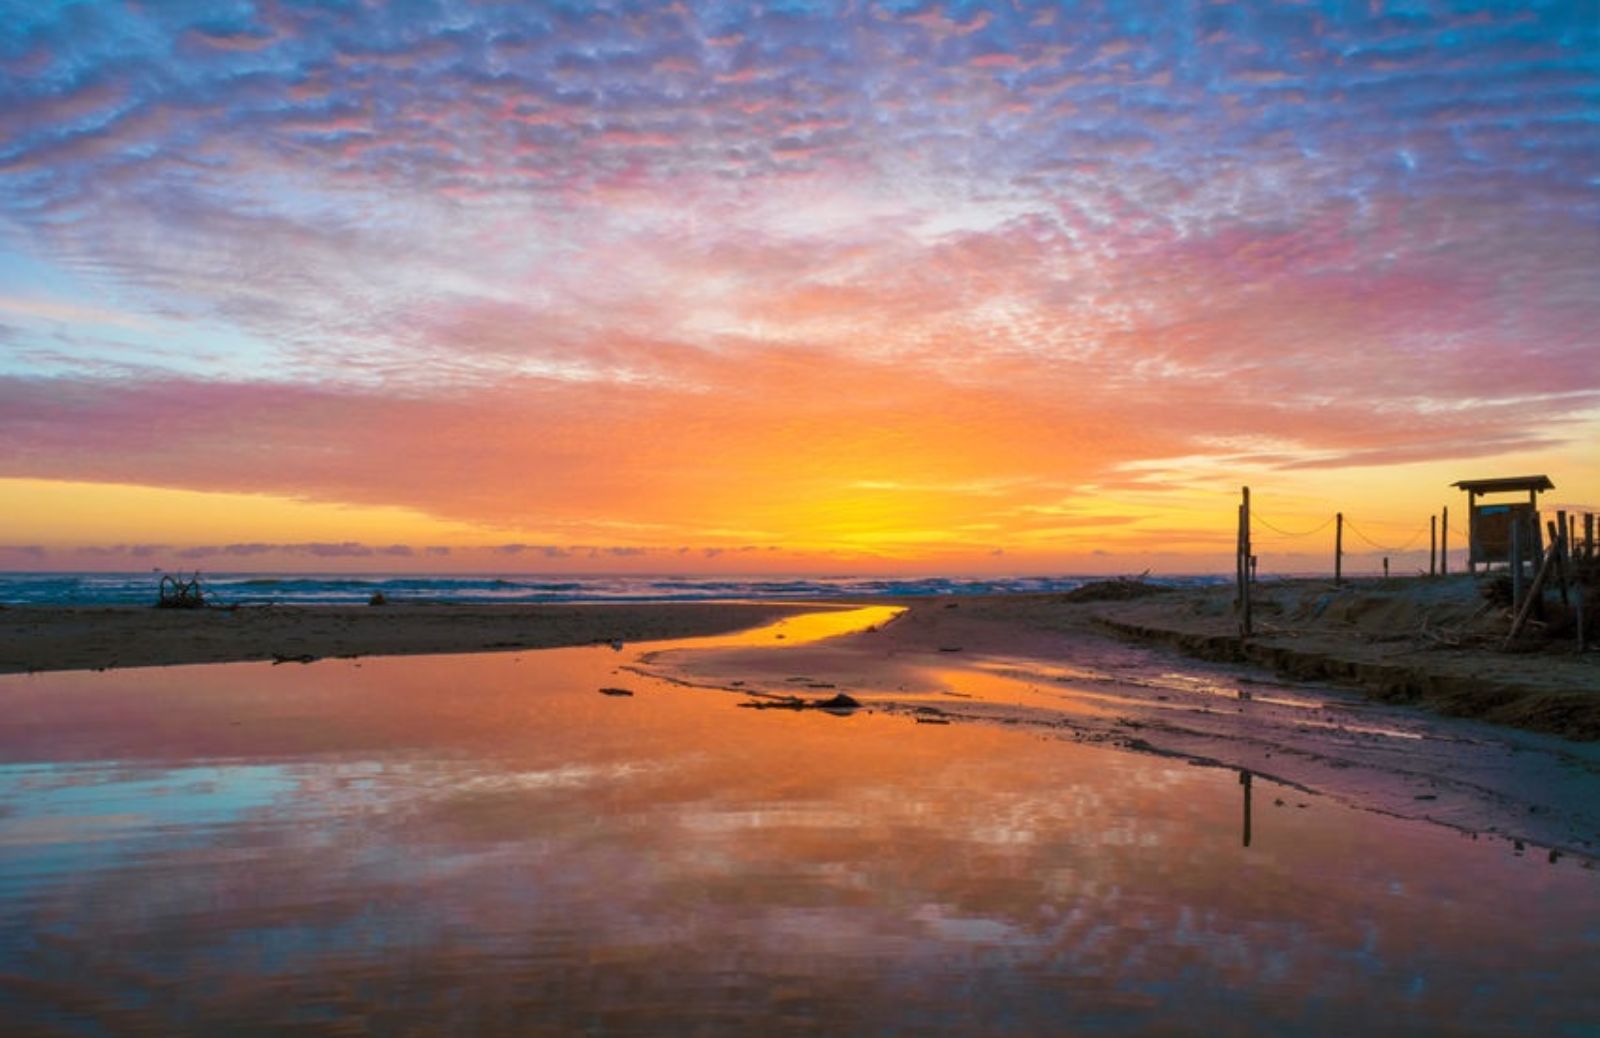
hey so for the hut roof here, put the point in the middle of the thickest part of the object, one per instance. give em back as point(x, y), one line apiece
point(1505, 484)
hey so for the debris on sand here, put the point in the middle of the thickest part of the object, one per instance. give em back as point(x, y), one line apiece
point(1117, 590)
point(837, 704)
point(176, 593)
point(304, 657)
point(615, 692)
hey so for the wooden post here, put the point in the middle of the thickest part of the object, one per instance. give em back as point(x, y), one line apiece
point(1433, 546)
point(1516, 564)
point(1244, 565)
point(1338, 548)
point(1238, 559)
point(1538, 531)
point(1588, 535)
point(1558, 541)
point(1386, 567)
point(1444, 543)
point(1472, 531)
point(1534, 591)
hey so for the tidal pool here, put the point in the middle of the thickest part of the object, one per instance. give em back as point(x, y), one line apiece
point(486, 845)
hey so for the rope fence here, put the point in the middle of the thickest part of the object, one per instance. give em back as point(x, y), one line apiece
point(1303, 533)
point(1435, 546)
point(1349, 524)
point(1408, 544)
point(1353, 528)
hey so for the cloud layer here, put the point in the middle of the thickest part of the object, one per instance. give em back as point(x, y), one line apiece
point(823, 275)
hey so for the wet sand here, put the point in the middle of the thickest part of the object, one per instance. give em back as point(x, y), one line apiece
point(1048, 666)
point(47, 638)
point(1063, 667)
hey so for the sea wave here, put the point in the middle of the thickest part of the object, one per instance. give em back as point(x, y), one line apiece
point(345, 589)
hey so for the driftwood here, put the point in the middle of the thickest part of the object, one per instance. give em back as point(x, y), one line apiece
point(1531, 598)
point(176, 593)
point(839, 704)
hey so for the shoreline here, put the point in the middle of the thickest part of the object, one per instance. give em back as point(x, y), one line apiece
point(1102, 667)
point(1427, 643)
point(37, 639)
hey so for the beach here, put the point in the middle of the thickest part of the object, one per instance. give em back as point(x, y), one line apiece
point(1434, 643)
point(948, 817)
point(48, 638)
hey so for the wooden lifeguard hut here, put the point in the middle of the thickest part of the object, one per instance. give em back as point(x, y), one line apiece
point(1505, 532)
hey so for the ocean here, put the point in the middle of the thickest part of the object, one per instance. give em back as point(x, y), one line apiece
point(346, 589)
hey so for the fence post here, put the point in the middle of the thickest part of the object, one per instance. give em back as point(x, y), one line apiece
point(1338, 548)
point(1535, 593)
point(1444, 543)
point(1516, 564)
point(1244, 565)
point(1558, 540)
point(1433, 545)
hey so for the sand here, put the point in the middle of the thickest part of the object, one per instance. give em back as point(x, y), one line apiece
point(44, 638)
point(1340, 715)
point(1434, 643)
point(1052, 667)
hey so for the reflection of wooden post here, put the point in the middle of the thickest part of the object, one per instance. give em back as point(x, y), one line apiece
point(1444, 542)
point(1244, 780)
point(1433, 546)
point(1338, 548)
point(1578, 615)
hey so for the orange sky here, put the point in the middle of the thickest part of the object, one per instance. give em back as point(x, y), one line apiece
point(829, 289)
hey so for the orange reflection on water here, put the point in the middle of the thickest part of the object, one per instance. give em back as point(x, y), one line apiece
point(801, 628)
point(487, 845)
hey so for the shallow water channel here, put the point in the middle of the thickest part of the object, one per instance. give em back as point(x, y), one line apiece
point(486, 844)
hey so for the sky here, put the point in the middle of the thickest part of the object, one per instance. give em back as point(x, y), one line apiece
point(786, 287)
